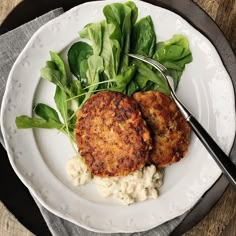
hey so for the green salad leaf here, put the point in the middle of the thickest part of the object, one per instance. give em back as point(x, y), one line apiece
point(60, 67)
point(147, 79)
point(134, 11)
point(123, 79)
point(174, 54)
point(78, 55)
point(55, 72)
point(26, 122)
point(77, 89)
point(46, 112)
point(144, 37)
point(93, 32)
point(60, 99)
point(95, 64)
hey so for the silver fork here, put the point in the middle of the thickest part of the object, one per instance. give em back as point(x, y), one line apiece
point(223, 161)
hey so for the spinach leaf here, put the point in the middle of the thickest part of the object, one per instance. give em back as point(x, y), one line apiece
point(78, 55)
point(60, 99)
point(111, 37)
point(77, 89)
point(55, 72)
point(145, 74)
point(132, 88)
point(51, 75)
point(110, 53)
point(99, 35)
point(96, 66)
point(25, 122)
point(93, 32)
point(54, 77)
point(51, 65)
point(46, 112)
point(144, 37)
point(174, 54)
point(123, 79)
point(144, 42)
point(60, 67)
point(141, 80)
point(118, 17)
point(134, 11)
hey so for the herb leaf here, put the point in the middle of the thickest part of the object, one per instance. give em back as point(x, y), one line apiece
point(93, 32)
point(144, 37)
point(25, 122)
point(60, 67)
point(95, 64)
point(174, 54)
point(78, 55)
point(61, 103)
point(134, 11)
point(145, 74)
point(123, 79)
point(55, 72)
point(46, 112)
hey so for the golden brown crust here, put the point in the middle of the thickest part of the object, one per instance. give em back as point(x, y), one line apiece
point(111, 135)
point(169, 130)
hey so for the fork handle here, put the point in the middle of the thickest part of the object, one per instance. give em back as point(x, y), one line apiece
point(223, 161)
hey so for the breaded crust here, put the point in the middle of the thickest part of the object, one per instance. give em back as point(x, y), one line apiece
point(169, 130)
point(111, 135)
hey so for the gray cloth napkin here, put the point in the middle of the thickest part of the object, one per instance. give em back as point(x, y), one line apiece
point(11, 44)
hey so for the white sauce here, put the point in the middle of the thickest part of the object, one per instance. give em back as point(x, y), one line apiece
point(77, 171)
point(136, 187)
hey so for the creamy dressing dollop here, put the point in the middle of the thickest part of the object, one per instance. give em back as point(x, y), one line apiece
point(138, 186)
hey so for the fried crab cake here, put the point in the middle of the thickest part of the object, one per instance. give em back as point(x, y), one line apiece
point(169, 130)
point(111, 135)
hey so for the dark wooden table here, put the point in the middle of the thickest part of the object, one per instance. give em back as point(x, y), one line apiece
point(221, 220)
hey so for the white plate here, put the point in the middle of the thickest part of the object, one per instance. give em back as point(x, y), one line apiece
point(39, 156)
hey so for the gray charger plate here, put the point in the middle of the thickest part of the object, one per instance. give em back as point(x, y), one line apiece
point(28, 10)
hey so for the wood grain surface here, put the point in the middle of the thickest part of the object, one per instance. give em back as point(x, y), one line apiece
point(221, 220)
point(9, 226)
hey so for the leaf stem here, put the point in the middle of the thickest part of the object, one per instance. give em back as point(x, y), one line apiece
point(82, 94)
point(102, 82)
